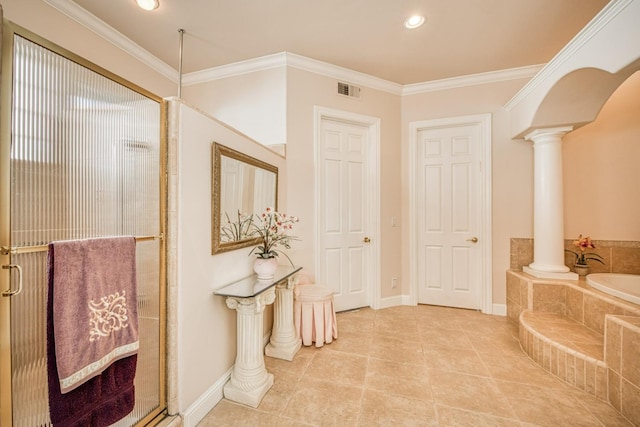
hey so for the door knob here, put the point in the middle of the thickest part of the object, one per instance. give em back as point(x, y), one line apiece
point(473, 240)
point(366, 240)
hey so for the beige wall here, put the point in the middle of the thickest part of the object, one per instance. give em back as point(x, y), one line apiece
point(45, 21)
point(206, 327)
point(601, 172)
point(512, 166)
point(253, 102)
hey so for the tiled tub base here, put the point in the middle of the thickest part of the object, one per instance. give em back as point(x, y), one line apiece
point(583, 336)
point(550, 340)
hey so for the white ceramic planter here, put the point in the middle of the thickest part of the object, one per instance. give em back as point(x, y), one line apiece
point(265, 267)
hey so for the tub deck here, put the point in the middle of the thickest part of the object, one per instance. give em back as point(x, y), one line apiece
point(624, 286)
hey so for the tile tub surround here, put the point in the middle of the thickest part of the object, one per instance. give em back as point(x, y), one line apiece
point(581, 335)
point(622, 357)
point(619, 256)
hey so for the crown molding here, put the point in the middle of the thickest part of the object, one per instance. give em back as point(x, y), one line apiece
point(101, 28)
point(283, 59)
point(235, 69)
point(609, 12)
point(88, 20)
point(472, 79)
point(341, 73)
point(353, 77)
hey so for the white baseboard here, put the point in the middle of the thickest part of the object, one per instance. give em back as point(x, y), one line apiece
point(394, 301)
point(499, 309)
point(389, 302)
point(496, 309)
point(407, 300)
point(205, 403)
point(210, 398)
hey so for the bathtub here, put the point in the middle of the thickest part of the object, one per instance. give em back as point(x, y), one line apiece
point(624, 286)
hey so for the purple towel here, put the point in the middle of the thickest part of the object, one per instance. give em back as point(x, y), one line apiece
point(105, 394)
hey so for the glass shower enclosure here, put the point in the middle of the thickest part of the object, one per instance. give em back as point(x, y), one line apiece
point(82, 155)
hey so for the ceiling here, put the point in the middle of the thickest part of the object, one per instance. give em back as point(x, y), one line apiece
point(460, 37)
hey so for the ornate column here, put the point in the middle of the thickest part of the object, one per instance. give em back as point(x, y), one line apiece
point(250, 380)
point(284, 343)
point(548, 210)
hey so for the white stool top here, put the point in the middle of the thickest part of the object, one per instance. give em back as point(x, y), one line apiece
point(312, 293)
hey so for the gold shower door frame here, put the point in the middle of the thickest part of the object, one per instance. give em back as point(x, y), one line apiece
point(8, 31)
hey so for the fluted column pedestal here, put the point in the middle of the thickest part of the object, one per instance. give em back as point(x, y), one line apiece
point(548, 208)
point(250, 380)
point(284, 343)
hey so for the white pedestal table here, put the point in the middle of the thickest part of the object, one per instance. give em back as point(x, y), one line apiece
point(250, 380)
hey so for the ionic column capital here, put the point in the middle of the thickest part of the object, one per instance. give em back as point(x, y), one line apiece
point(543, 135)
point(251, 305)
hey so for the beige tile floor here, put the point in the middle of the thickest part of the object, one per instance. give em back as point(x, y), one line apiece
point(417, 366)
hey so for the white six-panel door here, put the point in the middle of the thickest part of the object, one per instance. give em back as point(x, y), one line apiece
point(344, 253)
point(447, 215)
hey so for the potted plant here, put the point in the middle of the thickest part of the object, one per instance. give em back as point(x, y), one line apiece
point(581, 264)
point(271, 228)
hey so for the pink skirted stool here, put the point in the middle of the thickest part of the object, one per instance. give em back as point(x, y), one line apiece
point(314, 315)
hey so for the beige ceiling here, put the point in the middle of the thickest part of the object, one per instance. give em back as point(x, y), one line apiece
point(461, 37)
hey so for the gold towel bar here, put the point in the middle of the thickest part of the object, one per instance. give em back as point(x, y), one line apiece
point(6, 250)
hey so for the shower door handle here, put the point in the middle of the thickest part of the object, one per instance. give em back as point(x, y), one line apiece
point(10, 292)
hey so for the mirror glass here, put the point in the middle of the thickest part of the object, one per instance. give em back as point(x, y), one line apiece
point(242, 188)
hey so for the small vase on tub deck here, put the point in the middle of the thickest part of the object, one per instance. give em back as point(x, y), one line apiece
point(265, 267)
point(581, 264)
point(581, 269)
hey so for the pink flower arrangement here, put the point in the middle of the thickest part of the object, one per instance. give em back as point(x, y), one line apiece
point(271, 228)
point(584, 243)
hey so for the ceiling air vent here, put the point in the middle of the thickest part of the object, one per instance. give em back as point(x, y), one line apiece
point(348, 90)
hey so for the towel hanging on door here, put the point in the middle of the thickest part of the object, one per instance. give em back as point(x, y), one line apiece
point(95, 316)
point(92, 323)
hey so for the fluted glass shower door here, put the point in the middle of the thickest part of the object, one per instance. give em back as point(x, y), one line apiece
point(82, 156)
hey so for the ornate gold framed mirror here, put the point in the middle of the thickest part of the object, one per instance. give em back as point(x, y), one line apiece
point(242, 187)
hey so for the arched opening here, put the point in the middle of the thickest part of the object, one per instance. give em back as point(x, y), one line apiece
point(577, 98)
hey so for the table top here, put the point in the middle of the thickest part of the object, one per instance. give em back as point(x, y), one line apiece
point(251, 286)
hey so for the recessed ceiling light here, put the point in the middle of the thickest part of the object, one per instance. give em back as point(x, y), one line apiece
point(414, 22)
point(148, 4)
